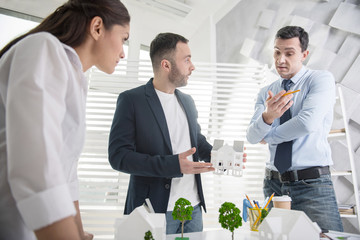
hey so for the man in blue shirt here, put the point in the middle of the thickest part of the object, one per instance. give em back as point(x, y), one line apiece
point(296, 127)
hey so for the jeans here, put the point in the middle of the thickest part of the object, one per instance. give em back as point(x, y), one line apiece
point(315, 197)
point(194, 225)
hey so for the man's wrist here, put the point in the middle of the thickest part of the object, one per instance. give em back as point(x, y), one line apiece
point(267, 120)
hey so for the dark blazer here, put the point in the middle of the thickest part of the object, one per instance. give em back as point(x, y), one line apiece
point(139, 144)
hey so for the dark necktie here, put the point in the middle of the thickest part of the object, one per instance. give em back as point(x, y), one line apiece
point(283, 154)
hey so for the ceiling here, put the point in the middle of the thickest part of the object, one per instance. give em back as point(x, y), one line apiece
point(185, 10)
point(36, 8)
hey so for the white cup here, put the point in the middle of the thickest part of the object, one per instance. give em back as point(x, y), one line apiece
point(282, 202)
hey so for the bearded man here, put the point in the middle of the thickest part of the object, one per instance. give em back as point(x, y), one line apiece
point(155, 137)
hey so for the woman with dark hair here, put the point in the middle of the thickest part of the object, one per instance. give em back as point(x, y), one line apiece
point(42, 115)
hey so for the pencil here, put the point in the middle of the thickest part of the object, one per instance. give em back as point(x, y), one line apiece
point(291, 92)
point(269, 198)
point(249, 200)
point(285, 94)
point(257, 219)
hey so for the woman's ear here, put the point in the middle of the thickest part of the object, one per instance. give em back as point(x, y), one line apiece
point(96, 27)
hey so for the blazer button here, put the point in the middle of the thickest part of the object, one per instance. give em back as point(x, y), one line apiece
point(167, 186)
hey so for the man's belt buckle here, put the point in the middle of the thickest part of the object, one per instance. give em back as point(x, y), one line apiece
point(290, 176)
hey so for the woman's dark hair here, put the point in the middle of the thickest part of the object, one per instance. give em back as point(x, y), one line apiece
point(69, 22)
point(294, 31)
point(163, 46)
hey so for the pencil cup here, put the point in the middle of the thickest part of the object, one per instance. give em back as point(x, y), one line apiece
point(256, 216)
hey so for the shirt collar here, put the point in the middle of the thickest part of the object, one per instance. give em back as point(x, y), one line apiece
point(73, 56)
point(75, 61)
point(297, 76)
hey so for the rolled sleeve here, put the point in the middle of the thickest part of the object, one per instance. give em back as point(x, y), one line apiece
point(48, 206)
point(258, 129)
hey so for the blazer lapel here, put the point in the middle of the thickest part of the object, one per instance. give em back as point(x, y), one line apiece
point(158, 112)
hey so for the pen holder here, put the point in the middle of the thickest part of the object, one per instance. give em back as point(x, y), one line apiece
point(256, 216)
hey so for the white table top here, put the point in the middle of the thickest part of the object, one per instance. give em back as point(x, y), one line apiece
point(242, 233)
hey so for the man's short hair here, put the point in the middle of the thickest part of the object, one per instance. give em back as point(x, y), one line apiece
point(163, 47)
point(294, 31)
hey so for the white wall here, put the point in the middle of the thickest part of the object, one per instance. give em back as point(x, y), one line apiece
point(198, 26)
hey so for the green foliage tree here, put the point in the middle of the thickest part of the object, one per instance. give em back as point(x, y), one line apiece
point(229, 217)
point(148, 236)
point(182, 212)
point(264, 213)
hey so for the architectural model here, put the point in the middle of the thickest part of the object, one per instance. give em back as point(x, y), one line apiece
point(288, 224)
point(141, 220)
point(227, 160)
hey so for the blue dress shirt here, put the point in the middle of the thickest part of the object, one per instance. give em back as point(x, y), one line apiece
point(312, 116)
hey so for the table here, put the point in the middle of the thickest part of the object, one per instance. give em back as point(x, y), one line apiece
point(243, 233)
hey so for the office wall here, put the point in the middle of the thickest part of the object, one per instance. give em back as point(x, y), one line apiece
point(198, 26)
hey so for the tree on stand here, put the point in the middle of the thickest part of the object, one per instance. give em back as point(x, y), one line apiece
point(229, 217)
point(148, 236)
point(182, 212)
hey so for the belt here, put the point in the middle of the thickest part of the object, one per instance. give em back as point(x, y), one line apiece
point(296, 175)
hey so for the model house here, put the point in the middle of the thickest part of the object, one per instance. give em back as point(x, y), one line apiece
point(288, 224)
point(141, 220)
point(227, 160)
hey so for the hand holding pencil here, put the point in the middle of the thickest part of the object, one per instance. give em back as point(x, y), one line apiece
point(285, 94)
point(277, 105)
point(291, 92)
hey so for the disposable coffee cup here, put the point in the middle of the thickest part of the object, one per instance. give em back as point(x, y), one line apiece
point(282, 202)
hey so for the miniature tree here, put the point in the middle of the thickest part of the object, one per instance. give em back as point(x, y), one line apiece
point(148, 236)
point(264, 213)
point(229, 217)
point(182, 212)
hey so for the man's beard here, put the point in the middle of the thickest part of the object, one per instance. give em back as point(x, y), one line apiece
point(175, 77)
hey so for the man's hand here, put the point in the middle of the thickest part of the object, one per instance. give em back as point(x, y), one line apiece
point(190, 167)
point(244, 157)
point(276, 106)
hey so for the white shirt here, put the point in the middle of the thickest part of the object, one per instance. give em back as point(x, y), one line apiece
point(42, 127)
point(178, 127)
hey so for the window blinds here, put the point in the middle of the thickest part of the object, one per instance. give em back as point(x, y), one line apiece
point(224, 95)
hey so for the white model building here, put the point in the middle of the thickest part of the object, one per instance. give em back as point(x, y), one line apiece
point(288, 224)
point(141, 220)
point(227, 160)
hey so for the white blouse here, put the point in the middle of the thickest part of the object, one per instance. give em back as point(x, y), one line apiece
point(42, 127)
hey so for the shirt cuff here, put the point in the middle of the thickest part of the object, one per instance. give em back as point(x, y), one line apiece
point(74, 190)
point(263, 125)
point(47, 207)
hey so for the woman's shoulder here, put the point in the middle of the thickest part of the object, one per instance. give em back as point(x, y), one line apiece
point(41, 45)
point(42, 39)
point(33, 44)
point(38, 49)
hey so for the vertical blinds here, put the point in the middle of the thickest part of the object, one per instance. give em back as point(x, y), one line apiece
point(224, 95)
